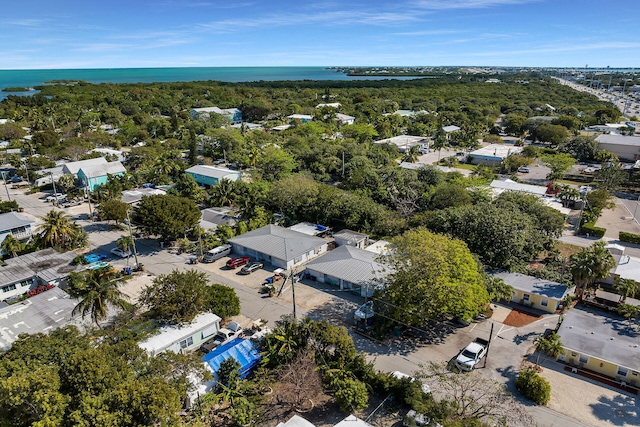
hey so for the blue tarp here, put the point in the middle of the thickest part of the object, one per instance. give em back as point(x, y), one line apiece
point(241, 349)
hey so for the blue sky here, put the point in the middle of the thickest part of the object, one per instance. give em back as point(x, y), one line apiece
point(43, 34)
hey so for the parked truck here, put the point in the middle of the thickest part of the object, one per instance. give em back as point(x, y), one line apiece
point(472, 354)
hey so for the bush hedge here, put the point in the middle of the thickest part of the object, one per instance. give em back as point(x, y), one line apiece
point(533, 386)
point(629, 237)
point(591, 229)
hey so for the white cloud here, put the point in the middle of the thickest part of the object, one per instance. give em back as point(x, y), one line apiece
point(465, 4)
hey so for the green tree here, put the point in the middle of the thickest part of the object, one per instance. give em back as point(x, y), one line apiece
point(610, 176)
point(533, 386)
point(351, 394)
point(11, 245)
point(224, 193)
point(180, 296)
point(66, 183)
point(97, 290)
point(627, 288)
point(114, 210)
point(590, 264)
point(554, 134)
point(57, 230)
point(274, 163)
point(558, 163)
point(497, 288)
point(582, 148)
point(125, 243)
point(550, 345)
point(425, 270)
point(167, 215)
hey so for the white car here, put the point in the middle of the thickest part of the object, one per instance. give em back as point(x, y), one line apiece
point(56, 197)
point(119, 252)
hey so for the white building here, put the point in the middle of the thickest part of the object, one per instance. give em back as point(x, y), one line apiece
point(183, 338)
point(405, 142)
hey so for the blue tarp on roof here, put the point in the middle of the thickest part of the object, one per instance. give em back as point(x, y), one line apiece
point(241, 349)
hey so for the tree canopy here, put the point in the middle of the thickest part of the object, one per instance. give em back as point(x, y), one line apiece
point(180, 296)
point(167, 215)
point(426, 269)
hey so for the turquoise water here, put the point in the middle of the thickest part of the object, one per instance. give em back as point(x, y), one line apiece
point(31, 78)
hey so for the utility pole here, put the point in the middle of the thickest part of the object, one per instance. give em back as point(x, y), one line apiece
point(486, 356)
point(4, 179)
point(200, 241)
point(55, 193)
point(133, 241)
point(293, 293)
point(88, 192)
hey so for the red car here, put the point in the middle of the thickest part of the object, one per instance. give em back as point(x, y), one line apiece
point(237, 262)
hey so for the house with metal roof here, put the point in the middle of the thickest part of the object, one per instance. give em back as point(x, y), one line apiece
point(134, 196)
point(213, 217)
point(94, 176)
point(493, 154)
point(351, 238)
point(211, 175)
point(279, 246)
point(26, 272)
point(304, 118)
point(603, 344)
point(405, 142)
point(349, 268)
point(40, 313)
point(534, 292)
point(16, 225)
point(625, 147)
point(499, 185)
point(183, 338)
point(73, 167)
point(233, 114)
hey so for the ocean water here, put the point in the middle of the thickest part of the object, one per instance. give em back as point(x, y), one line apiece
point(31, 78)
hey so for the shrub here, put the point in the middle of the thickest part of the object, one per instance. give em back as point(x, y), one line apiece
point(591, 229)
point(79, 260)
point(533, 386)
point(629, 237)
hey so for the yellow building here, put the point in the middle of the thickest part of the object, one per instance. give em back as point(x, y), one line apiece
point(605, 345)
point(533, 292)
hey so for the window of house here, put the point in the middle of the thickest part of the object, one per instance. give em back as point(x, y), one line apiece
point(186, 343)
point(8, 288)
point(525, 297)
point(544, 302)
point(623, 372)
point(584, 359)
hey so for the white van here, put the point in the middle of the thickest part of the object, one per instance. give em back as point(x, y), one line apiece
point(217, 253)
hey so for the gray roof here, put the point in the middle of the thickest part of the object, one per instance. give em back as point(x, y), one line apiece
point(74, 167)
point(133, 196)
point(278, 242)
point(619, 140)
point(349, 263)
point(211, 171)
point(211, 218)
point(93, 171)
point(516, 186)
point(606, 338)
point(11, 220)
point(41, 313)
point(350, 235)
point(47, 264)
point(534, 285)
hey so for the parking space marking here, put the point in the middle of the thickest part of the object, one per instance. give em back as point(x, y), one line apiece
point(503, 330)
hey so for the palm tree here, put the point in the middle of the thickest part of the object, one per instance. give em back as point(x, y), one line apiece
point(551, 346)
point(96, 289)
point(591, 264)
point(11, 245)
point(57, 230)
point(224, 193)
point(626, 288)
point(412, 155)
point(124, 243)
